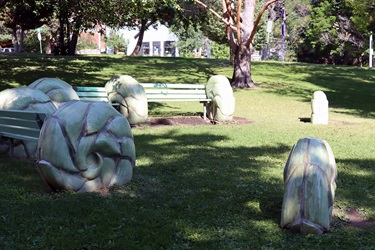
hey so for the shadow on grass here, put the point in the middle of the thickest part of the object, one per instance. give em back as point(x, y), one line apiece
point(350, 88)
point(97, 70)
point(188, 191)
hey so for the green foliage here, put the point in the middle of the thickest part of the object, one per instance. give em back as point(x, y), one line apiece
point(86, 42)
point(219, 51)
point(206, 186)
point(189, 39)
point(116, 41)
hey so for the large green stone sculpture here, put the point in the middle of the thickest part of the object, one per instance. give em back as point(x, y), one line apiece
point(58, 90)
point(222, 107)
point(131, 96)
point(309, 187)
point(24, 99)
point(85, 146)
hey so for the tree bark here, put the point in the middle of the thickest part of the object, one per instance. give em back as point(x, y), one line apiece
point(242, 69)
point(15, 40)
point(242, 53)
point(140, 39)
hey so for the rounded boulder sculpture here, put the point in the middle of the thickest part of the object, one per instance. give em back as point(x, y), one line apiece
point(24, 99)
point(58, 90)
point(131, 96)
point(222, 107)
point(319, 108)
point(309, 187)
point(85, 146)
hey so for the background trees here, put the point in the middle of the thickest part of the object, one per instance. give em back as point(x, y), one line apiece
point(318, 31)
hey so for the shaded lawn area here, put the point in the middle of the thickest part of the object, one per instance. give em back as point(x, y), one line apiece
point(201, 186)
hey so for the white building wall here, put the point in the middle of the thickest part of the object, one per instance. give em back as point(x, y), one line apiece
point(155, 38)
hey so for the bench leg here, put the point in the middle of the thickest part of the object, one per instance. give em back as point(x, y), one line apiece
point(204, 111)
point(11, 148)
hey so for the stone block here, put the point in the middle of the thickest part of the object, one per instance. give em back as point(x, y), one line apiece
point(319, 106)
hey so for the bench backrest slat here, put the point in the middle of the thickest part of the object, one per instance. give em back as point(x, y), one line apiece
point(172, 86)
point(175, 91)
point(21, 133)
point(88, 89)
point(21, 124)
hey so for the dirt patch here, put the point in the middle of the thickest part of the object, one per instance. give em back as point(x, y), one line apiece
point(186, 120)
point(352, 218)
point(357, 220)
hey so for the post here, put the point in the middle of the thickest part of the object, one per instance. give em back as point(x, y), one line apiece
point(39, 30)
point(269, 30)
point(283, 32)
point(371, 51)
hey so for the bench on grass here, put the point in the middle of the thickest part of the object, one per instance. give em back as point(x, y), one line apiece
point(155, 92)
point(163, 92)
point(21, 125)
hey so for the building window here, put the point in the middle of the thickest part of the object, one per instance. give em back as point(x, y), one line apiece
point(145, 49)
point(169, 49)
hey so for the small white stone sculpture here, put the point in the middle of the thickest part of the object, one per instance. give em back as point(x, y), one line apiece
point(319, 106)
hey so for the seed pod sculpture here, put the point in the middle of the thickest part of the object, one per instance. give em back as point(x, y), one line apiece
point(309, 187)
point(86, 146)
point(24, 99)
point(131, 96)
point(58, 90)
point(221, 108)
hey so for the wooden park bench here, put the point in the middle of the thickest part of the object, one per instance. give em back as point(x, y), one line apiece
point(21, 125)
point(166, 92)
point(155, 92)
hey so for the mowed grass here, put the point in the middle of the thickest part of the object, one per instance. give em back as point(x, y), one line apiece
point(200, 187)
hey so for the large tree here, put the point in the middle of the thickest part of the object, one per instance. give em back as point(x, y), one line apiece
point(21, 16)
point(240, 28)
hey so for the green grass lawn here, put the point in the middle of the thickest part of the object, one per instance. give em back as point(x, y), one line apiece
point(200, 187)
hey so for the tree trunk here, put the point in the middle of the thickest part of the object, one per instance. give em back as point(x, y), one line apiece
point(61, 45)
point(242, 54)
point(15, 40)
point(73, 43)
point(242, 69)
point(140, 39)
point(22, 36)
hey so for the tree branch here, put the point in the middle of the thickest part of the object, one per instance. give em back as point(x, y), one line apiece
point(238, 21)
point(257, 22)
point(228, 7)
point(216, 14)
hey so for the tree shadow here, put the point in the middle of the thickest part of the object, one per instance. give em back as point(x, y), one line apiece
point(25, 69)
point(191, 190)
point(347, 88)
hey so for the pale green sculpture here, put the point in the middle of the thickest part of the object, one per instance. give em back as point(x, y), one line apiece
point(319, 108)
point(222, 107)
point(58, 90)
point(85, 146)
point(24, 99)
point(309, 187)
point(131, 96)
